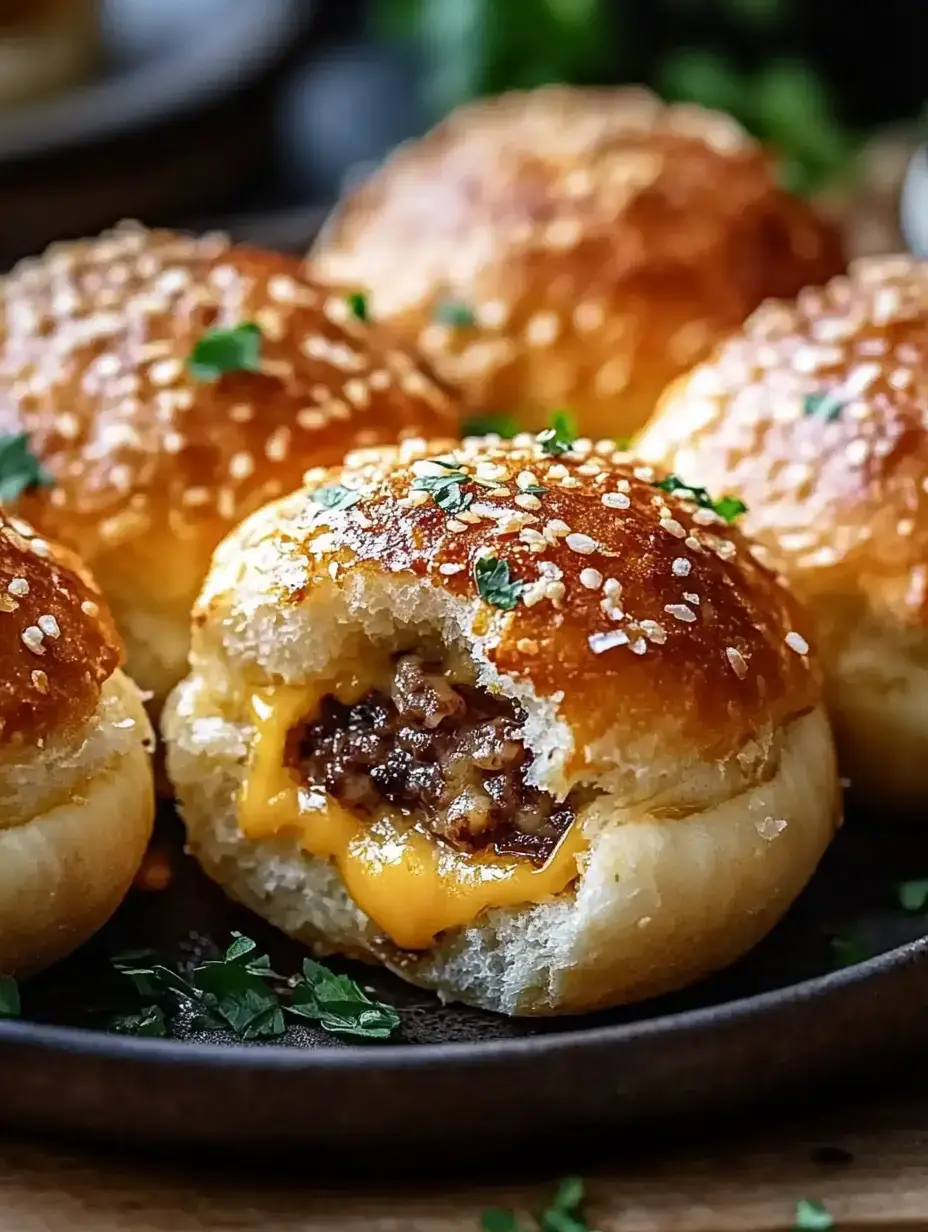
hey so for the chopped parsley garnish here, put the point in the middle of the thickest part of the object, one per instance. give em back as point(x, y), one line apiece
point(822, 406)
point(812, 1216)
point(226, 350)
point(446, 490)
point(494, 583)
point(506, 426)
point(559, 437)
point(564, 1214)
point(728, 507)
point(455, 312)
point(335, 496)
point(624, 443)
point(848, 949)
point(20, 469)
point(913, 895)
point(240, 992)
point(357, 302)
point(10, 1006)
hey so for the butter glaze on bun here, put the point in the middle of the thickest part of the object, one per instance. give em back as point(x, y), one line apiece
point(598, 242)
point(76, 800)
point(816, 415)
point(151, 467)
point(651, 676)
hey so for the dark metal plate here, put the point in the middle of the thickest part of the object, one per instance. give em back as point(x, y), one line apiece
point(778, 1022)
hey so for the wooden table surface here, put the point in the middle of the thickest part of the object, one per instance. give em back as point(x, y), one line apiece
point(721, 1181)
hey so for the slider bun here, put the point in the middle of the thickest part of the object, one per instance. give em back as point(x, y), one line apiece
point(697, 742)
point(76, 798)
point(152, 467)
point(602, 240)
point(815, 415)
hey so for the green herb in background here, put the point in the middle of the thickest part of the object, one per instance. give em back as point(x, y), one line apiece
point(506, 426)
point(10, 1006)
point(20, 469)
point(913, 895)
point(226, 350)
point(812, 1216)
point(848, 949)
point(564, 1214)
point(241, 993)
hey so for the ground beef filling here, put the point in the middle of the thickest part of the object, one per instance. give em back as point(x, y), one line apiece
point(450, 757)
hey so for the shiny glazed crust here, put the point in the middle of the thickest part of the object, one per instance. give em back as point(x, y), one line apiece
point(601, 241)
point(657, 664)
point(151, 467)
point(815, 416)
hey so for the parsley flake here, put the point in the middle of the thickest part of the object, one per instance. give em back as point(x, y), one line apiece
point(10, 1005)
point(226, 350)
point(446, 490)
point(559, 437)
point(728, 507)
point(564, 1214)
point(505, 426)
point(494, 583)
point(335, 496)
point(812, 1216)
point(822, 406)
point(241, 993)
point(456, 313)
point(913, 895)
point(357, 302)
point(20, 469)
point(848, 949)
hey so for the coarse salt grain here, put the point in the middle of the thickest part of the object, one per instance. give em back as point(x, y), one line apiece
point(592, 579)
point(49, 626)
point(681, 567)
point(737, 661)
point(680, 611)
point(581, 543)
point(615, 500)
point(32, 639)
point(795, 641)
point(19, 587)
point(600, 642)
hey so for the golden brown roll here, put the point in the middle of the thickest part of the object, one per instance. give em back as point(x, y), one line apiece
point(520, 725)
point(815, 416)
point(76, 799)
point(573, 247)
point(169, 386)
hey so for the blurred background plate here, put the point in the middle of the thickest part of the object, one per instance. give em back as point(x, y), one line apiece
point(160, 110)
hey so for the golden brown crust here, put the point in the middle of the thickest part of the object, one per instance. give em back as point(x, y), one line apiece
point(815, 415)
point(150, 466)
point(58, 644)
point(632, 598)
point(602, 241)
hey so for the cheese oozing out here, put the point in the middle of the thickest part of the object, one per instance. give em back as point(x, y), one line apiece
point(412, 885)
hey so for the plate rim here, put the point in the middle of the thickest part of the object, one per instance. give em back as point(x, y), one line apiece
point(85, 1042)
point(170, 84)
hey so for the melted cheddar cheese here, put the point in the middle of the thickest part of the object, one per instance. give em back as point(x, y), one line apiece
point(410, 884)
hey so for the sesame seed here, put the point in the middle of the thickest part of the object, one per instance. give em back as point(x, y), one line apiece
point(49, 626)
point(737, 661)
point(241, 465)
point(525, 500)
point(18, 586)
point(680, 611)
point(89, 608)
point(653, 631)
point(673, 527)
point(39, 547)
point(455, 526)
point(527, 646)
point(526, 479)
point(581, 543)
point(33, 638)
point(542, 329)
point(615, 500)
point(449, 569)
point(601, 642)
point(40, 681)
point(592, 579)
point(681, 567)
point(165, 372)
point(795, 641)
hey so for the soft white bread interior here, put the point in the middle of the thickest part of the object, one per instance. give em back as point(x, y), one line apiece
point(76, 793)
point(673, 700)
